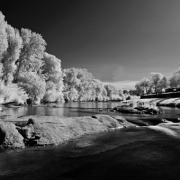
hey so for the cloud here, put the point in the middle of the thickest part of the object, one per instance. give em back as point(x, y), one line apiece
point(109, 72)
point(123, 84)
point(118, 73)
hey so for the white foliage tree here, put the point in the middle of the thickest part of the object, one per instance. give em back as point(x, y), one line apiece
point(112, 92)
point(139, 89)
point(12, 53)
point(34, 85)
point(10, 45)
point(143, 86)
point(158, 81)
point(174, 80)
point(12, 93)
point(72, 84)
point(3, 35)
point(54, 78)
point(31, 55)
point(163, 83)
point(100, 90)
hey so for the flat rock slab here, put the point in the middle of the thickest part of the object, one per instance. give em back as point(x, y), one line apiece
point(56, 130)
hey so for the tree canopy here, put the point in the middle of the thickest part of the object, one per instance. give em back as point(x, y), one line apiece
point(27, 70)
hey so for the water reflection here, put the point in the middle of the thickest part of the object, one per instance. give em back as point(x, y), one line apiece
point(71, 109)
point(74, 109)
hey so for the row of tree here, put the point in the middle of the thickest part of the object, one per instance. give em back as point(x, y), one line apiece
point(28, 72)
point(157, 82)
point(80, 85)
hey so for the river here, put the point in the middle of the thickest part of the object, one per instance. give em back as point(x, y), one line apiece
point(76, 109)
point(130, 153)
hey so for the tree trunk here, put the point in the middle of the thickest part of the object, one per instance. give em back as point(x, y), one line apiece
point(16, 76)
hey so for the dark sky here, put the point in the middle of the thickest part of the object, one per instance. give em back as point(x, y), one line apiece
point(116, 40)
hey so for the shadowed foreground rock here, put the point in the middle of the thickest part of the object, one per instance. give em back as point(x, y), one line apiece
point(9, 136)
point(54, 130)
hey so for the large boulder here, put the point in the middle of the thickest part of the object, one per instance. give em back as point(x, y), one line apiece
point(56, 130)
point(9, 136)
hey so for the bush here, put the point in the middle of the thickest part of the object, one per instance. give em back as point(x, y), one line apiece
point(12, 93)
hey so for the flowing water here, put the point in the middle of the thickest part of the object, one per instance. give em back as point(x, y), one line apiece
point(131, 153)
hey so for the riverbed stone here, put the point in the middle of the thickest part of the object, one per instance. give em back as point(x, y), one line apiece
point(9, 136)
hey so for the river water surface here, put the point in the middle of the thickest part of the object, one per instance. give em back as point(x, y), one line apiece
point(76, 109)
point(130, 153)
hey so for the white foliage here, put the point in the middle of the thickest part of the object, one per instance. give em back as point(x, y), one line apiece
point(33, 84)
point(33, 44)
point(31, 54)
point(158, 81)
point(12, 93)
point(87, 87)
point(54, 78)
point(1, 70)
point(175, 79)
point(113, 93)
point(3, 35)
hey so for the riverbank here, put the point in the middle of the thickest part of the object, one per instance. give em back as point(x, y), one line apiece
point(54, 130)
point(162, 95)
point(169, 102)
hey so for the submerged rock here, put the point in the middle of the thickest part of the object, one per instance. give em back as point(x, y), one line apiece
point(9, 136)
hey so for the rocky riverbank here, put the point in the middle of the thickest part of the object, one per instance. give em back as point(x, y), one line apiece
point(54, 130)
point(169, 102)
point(135, 107)
point(149, 105)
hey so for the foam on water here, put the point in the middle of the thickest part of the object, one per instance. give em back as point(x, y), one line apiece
point(170, 129)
